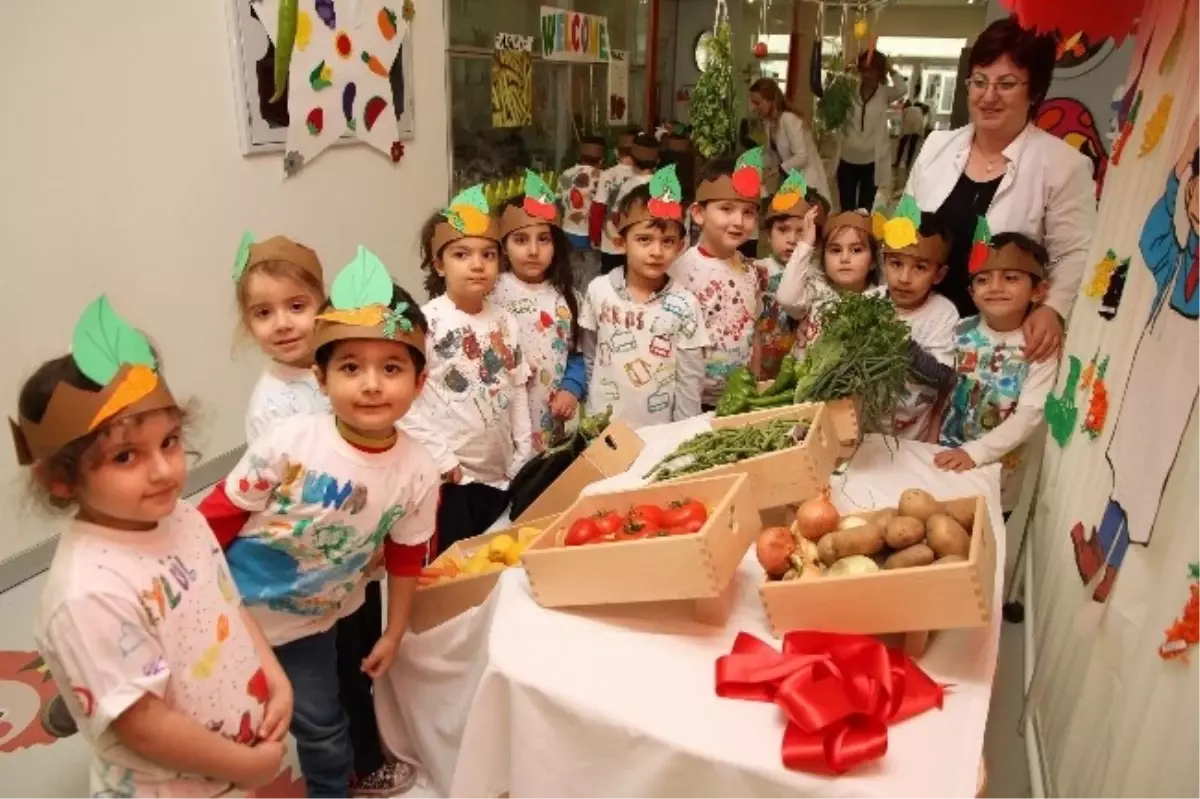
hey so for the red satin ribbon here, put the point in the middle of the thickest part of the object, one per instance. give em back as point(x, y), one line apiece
point(839, 692)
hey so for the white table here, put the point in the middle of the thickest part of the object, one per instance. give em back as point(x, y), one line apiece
point(511, 697)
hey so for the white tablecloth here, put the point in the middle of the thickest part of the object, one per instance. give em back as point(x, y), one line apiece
point(513, 697)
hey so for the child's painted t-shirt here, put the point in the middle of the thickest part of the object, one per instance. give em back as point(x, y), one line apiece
point(635, 363)
point(127, 614)
point(320, 510)
point(473, 411)
point(607, 189)
point(577, 189)
point(544, 320)
point(998, 401)
point(728, 292)
point(932, 327)
point(282, 392)
point(776, 329)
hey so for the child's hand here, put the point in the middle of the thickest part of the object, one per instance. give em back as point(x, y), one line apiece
point(563, 405)
point(808, 233)
point(453, 476)
point(277, 716)
point(954, 460)
point(261, 763)
point(381, 657)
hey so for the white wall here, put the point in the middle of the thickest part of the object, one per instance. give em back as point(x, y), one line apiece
point(120, 173)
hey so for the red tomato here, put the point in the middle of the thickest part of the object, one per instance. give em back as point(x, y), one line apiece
point(636, 528)
point(680, 513)
point(641, 514)
point(609, 523)
point(582, 531)
point(602, 539)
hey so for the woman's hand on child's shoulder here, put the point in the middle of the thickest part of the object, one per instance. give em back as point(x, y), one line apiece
point(260, 764)
point(954, 460)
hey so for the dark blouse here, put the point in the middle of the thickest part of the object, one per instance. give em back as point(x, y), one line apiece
point(960, 212)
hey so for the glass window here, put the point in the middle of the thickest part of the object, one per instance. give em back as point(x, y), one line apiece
point(921, 47)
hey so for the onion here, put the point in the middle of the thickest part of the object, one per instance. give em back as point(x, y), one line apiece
point(850, 522)
point(775, 549)
point(853, 565)
point(817, 516)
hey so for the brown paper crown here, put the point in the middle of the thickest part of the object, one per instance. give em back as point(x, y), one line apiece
point(361, 297)
point(666, 198)
point(642, 152)
point(589, 149)
point(902, 233)
point(852, 219)
point(744, 185)
point(625, 139)
point(677, 143)
point(538, 207)
point(467, 216)
point(103, 346)
point(276, 248)
point(1010, 256)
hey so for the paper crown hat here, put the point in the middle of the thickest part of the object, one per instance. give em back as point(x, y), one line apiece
point(666, 197)
point(901, 233)
point(277, 248)
point(987, 258)
point(539, 207)
point(745, 184)
point(790, 199)
point(592, 149)
point(115, 356)
point(855, 219)
point(467, 216)
point(361, 296)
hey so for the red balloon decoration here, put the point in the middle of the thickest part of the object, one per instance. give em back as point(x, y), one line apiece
point(760, 50)
point(1113, 19)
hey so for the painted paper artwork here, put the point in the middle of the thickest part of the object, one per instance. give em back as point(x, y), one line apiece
point(264, 122)
point(512, 81)
point(618, 88)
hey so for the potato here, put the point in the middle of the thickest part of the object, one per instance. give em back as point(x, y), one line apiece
point(946, 536)
point(964, 515)
point(825, 550)
point(919, 504)
point(864, 540)
point(903, 532)
point(852, 566)
point(915, 555)
point(950, 559)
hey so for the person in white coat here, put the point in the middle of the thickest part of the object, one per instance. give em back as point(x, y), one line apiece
point(790, 143)
point(865, 165)
point(1021, 178)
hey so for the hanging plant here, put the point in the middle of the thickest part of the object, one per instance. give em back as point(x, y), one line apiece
point(713, 130)
point(836, 101)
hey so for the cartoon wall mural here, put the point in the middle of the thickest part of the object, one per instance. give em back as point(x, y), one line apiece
point(26, 690)
point(1071, 121)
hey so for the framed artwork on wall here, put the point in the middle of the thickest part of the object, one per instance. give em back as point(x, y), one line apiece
point(262, 125)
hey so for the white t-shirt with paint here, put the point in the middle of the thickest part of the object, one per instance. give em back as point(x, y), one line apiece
point(473, 411)
point(320, 509)
point(282, 392)
point(577, 190)
point(607, 189)
point(127, 614)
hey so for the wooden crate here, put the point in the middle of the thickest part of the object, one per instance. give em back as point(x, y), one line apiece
point(936, 597)
point(672, 569)
point(845, 414)
point(610, 454)
point(434, 604)
point(790, 476)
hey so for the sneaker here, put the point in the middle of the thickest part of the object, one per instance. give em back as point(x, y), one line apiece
point(57, 720)
point(391, 779)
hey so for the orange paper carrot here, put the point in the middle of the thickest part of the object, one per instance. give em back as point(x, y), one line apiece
point(374, 64)
point(139, 381)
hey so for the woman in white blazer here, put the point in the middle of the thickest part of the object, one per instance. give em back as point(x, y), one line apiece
point(1023, 179)
point(789, 142)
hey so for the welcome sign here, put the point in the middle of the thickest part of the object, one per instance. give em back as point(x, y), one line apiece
point(572, 36)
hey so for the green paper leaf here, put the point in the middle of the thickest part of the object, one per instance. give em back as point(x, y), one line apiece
point(751, 158)
point(664, 185)
point(983, 233)
point(536, 188)
point(795, 184)
point(1194, 571)
point(103, 342)
point(909, 209)
point(472, 197)
point(365, 281)
point(243, 255)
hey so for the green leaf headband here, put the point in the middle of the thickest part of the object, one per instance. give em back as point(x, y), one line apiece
point(361, 296)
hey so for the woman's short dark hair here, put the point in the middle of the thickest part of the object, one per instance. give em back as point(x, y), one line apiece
point(1030, 51)
point(872, 59)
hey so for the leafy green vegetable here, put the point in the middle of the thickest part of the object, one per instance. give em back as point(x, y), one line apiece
point(365, 281)
point(103, 342)
point(711, 106)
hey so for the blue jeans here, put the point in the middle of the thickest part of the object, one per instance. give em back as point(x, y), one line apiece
point(319, 724)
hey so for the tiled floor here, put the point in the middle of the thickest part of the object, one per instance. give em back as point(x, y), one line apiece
point(32, 764)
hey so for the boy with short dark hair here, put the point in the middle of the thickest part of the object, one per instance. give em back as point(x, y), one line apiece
point(643, 160)
point(723, 280)
point(999, 398)
point(615, 174)
point(577, 190)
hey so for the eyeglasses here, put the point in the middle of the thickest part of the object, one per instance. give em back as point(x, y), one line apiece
point(1005, 85)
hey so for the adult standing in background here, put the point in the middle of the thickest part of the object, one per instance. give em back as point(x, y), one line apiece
point(912, 127)
point(866, 163)
point(1022, 178)
point(790, 144)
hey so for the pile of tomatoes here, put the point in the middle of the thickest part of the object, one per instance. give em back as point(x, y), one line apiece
point(680, 517)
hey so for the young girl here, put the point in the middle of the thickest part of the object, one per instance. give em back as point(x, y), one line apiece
point(280, 287)
point(473, 414)
point(537, 288)
point(146, 636)
point(849, 258)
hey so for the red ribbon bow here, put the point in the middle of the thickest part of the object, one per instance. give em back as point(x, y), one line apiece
point(839, 692)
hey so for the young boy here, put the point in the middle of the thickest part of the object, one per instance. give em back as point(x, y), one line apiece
point(320, 501)
point(998, 401)
point(616, 173)
point(775, 331)
point(912, 266)
point(577, 191)
point(723, 280)
point(643, 160)
point(642, 335)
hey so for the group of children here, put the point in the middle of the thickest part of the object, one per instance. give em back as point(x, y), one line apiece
point(186, 642)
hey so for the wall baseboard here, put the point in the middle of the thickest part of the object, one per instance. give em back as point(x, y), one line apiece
point(31, 562)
